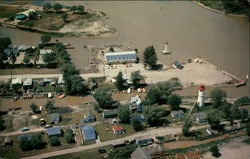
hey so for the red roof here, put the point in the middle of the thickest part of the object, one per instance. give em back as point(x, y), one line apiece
point(117, 127)
point(202, 87)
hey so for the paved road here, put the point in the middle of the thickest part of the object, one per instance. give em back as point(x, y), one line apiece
point(152, 133)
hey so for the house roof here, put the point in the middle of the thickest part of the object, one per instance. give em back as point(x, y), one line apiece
point(117, 127)
point(139, 153)
point(29, 136)
point(177, 112)
point(110, 112)
point(124, 54)
point(54, 117)
point(16, 80)
point(27, 82)
point(176, 63)
point(88, 132)
point(45, 51)
point(54, 131)
point(27, 12)
point(8, 51)
point(22, 47)
point(136, 99)
point(200, 116)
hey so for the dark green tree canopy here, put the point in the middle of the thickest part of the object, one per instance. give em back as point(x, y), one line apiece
point(136, 123)
point(174, 101)
point(54, 141)
point(34, 108)
point(103, 96)
point(136, 78)
point(47, 7)
point(150, 57)
point(119, 83)
point(186, 126)
point(153, 115)
point(57, 7)
point(4, 43)
point(49, 106)
point(215, 151)
point(123, 113)
point(45, 38)
point(218, 97)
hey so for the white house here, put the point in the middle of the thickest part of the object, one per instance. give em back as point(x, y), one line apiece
point(120, 57)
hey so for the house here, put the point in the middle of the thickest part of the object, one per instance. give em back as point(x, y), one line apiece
point(27, 83)
point(177, 114)
point(117, 129)
point(28, 136)
point(25, 14)
point(88, 132)
point(60, 81)
point(143, 140)
point(22, 48)
point(16, 81)
point(54, 118)
point(12, 50)
point(135, 104)
point(200, 117)
point(120, 57)
point(109, 113)
point(139, 153)
point(89, 117)
point(45, 51)
point(177, 64)
point(211, 132)
point(54, 131)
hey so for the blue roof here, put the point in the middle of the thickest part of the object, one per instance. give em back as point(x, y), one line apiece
point(21, 16)
point(8, 51)
point(121, 56)
point(88, 132)
point(54, 131)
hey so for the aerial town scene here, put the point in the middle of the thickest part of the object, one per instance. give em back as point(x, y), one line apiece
point(124, 79)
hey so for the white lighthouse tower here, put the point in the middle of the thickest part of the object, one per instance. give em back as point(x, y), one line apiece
point(166, 51)
point(201, 95)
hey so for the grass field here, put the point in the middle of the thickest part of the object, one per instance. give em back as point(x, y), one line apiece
point(9, 11)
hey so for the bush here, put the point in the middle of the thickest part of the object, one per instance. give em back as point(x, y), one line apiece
point(242, 101)
point(215, 151)
point(54, 141)
point(69, 136)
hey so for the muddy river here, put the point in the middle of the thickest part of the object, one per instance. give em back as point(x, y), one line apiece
point(189, 29)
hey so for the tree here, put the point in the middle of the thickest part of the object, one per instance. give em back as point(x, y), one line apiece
point(104, 97)
point(33, 15)
point(123, 112)
point(119, 83)
point(2, 127)
point(45, 38)
point(64, 17)
point(244, 115)
point(49, 59)
point(49, 106)
point(57, 7)
point(214, 116)
point(34, 108)
point(54, 141)
point(80, 9)
point(136, 123)
point(136, 78)
point(174, 101)
point(36, 141)
point(47, 7)
point(153, 115)
point(150, 56)
point(186, 126)
point(248, 128)
point(4, 43)
point(218, 97)
point(12, 58)
point(24, 143)
point(69, 136)
point(111, 49)
point(242, 101)
point(73, 8)
point(77, 87)
point(26, 60)
point(215, 151)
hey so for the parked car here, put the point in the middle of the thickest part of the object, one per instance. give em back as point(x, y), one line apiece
point(25, 129)
point(48, 126)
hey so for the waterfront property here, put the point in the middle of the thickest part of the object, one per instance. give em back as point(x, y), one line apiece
point(120, 57)
point(88, 132)
point(177, 114)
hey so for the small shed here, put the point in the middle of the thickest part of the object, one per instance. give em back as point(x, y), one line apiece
point(139, 153)
point(45, 51)
point(54, 118)
point(89, 117)
point(88, 132)
point(177, 114)
point(109, 114)
point(118, 129)
point(54, 131)
point(27, 82)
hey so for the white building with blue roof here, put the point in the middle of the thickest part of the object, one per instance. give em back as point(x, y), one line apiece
point(120, 57)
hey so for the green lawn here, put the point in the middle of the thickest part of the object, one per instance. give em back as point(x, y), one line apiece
point(9, 11)
point(105, 132)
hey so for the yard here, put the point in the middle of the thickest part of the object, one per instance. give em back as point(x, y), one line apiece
point(9, 11)
point(105, 132)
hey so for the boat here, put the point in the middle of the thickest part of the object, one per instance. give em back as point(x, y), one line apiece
point(61, 96)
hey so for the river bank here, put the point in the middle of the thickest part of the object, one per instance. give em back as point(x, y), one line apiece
point(218, 11)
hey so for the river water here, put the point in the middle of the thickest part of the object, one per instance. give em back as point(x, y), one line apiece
point(189, 29)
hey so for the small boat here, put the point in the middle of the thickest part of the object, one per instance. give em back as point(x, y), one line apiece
point(61, 96)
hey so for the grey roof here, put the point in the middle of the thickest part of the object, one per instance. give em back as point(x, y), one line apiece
point(22, 47)
point(8, 51)
point(122, 55)
point(136, 99)
point(139, 153)
point(16, 80)
point(177, 112)
point(54, 117)
point(88, 132)
point(45, 51)
point(110, 112)
point(27, 82)
point(200, 116)
point(54, 131)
